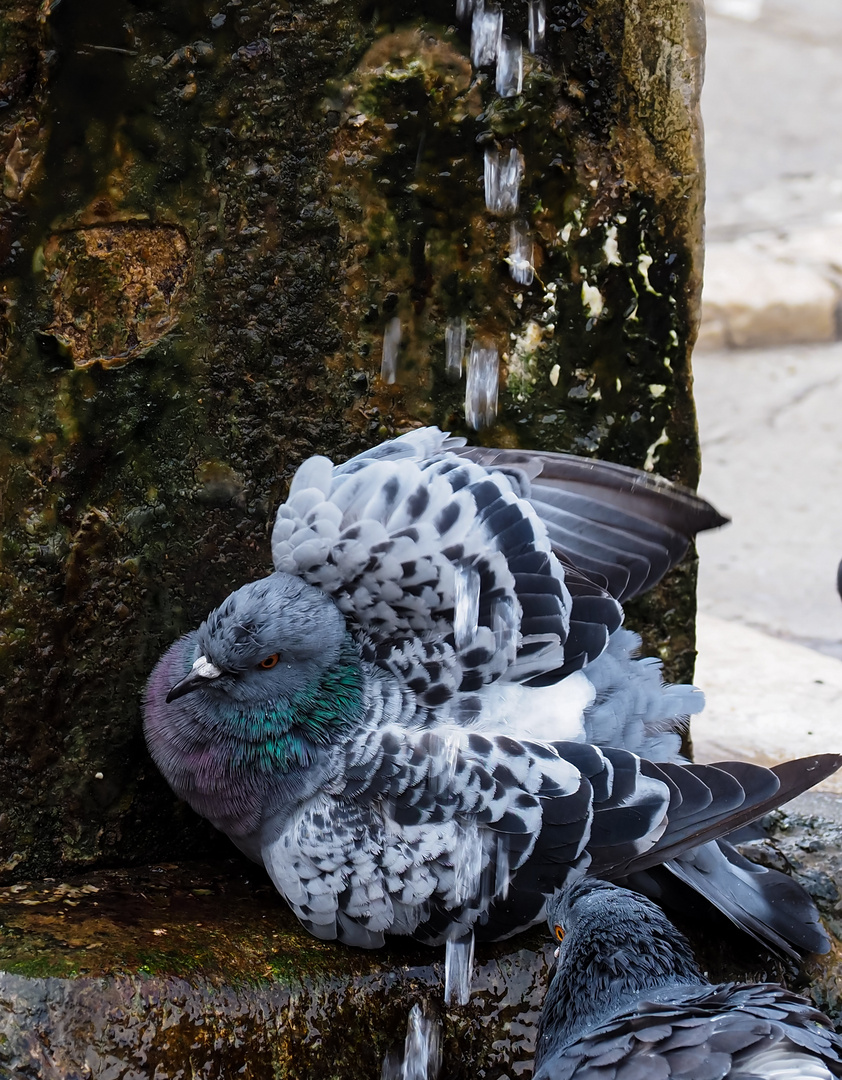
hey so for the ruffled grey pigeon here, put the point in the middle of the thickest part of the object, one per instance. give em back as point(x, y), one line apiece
point(429, 713)
point(627, 1002)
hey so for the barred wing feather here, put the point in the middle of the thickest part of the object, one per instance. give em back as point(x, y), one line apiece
point(514, 563)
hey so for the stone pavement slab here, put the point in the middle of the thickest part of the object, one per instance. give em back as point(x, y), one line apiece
point(766, 700)
point(771, 106)
point(753, 296)
point(771, 436)
point(770, 620)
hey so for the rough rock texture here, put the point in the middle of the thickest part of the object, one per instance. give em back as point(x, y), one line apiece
point(212, 217)
point(201, 971)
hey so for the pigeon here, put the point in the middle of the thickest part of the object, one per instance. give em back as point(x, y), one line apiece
point(628, 1002)
point(430, 713)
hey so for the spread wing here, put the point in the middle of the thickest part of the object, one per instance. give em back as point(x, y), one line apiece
point(436, 832)
point(743, 1032)
point(507, 565)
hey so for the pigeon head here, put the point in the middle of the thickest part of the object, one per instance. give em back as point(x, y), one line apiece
point(268, 679)
point(615, 944)
point(270, 640)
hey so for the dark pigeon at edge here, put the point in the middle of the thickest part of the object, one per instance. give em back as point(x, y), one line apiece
point(628, 1002)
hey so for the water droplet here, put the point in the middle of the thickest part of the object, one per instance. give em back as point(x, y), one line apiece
point(458, 969)
point(421, 1050)
point(502, 873)
point(509, 81)
point(391, 342)
point(537, 21)
point(467, 863)
point(505, 626)
point(502, 180)
point(486, 34)
point(481, 386)
point(454, 348)
point(465, 606)
point(521, 252)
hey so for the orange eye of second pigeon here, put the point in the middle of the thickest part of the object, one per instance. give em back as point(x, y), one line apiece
point(270, 661)
point(559, 933)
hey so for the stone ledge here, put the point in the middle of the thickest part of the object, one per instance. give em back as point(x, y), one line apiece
point(201, 970)
point(772, 290)
point(162, 972)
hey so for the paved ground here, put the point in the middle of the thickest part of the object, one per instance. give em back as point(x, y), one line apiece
point(770, 420)
point(772, 103)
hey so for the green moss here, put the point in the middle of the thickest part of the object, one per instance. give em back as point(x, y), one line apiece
point(324, 166)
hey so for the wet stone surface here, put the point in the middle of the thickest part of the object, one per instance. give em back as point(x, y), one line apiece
point(117, 289)
point(202, 971)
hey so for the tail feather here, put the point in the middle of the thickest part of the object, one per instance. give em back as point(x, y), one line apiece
point(769, 906)
point(689, 828)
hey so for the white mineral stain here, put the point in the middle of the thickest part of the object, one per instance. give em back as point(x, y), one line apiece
point(522, 366)
point(651, 455)
point(592, 299)
point(610, 247)
point(644, 261)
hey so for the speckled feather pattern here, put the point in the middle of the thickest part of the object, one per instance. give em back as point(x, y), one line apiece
point(429, 715)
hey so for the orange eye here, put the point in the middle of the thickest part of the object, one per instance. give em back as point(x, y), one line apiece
point(559, 933)
point(270, 661)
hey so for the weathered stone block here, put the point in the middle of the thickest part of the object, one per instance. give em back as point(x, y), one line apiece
point(212, 221)
point(334, 191)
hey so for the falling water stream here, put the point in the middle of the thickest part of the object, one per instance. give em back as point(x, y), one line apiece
point(421, 1058)
point(503, 171)
point(503, 174)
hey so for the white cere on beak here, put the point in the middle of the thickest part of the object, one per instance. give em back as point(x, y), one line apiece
point(206, 669)
point(556, 952)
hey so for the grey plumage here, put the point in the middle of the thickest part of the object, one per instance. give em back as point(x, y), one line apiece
point(628, 1002)
point(430, 712)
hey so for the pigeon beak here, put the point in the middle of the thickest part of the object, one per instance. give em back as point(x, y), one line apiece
point(203, 672)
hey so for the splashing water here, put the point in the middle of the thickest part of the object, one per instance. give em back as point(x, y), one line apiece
point(391, 342)
point(467, 864)
point(454, 348)
point(537, 21)
point(481, 386)
point(421, 1051)
point(520, 253)
point(465, 606)
point(458, 970)
point(502, 873)
point(502, 181)
point(509, 81)
point(486, 34)
point(504, 624)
